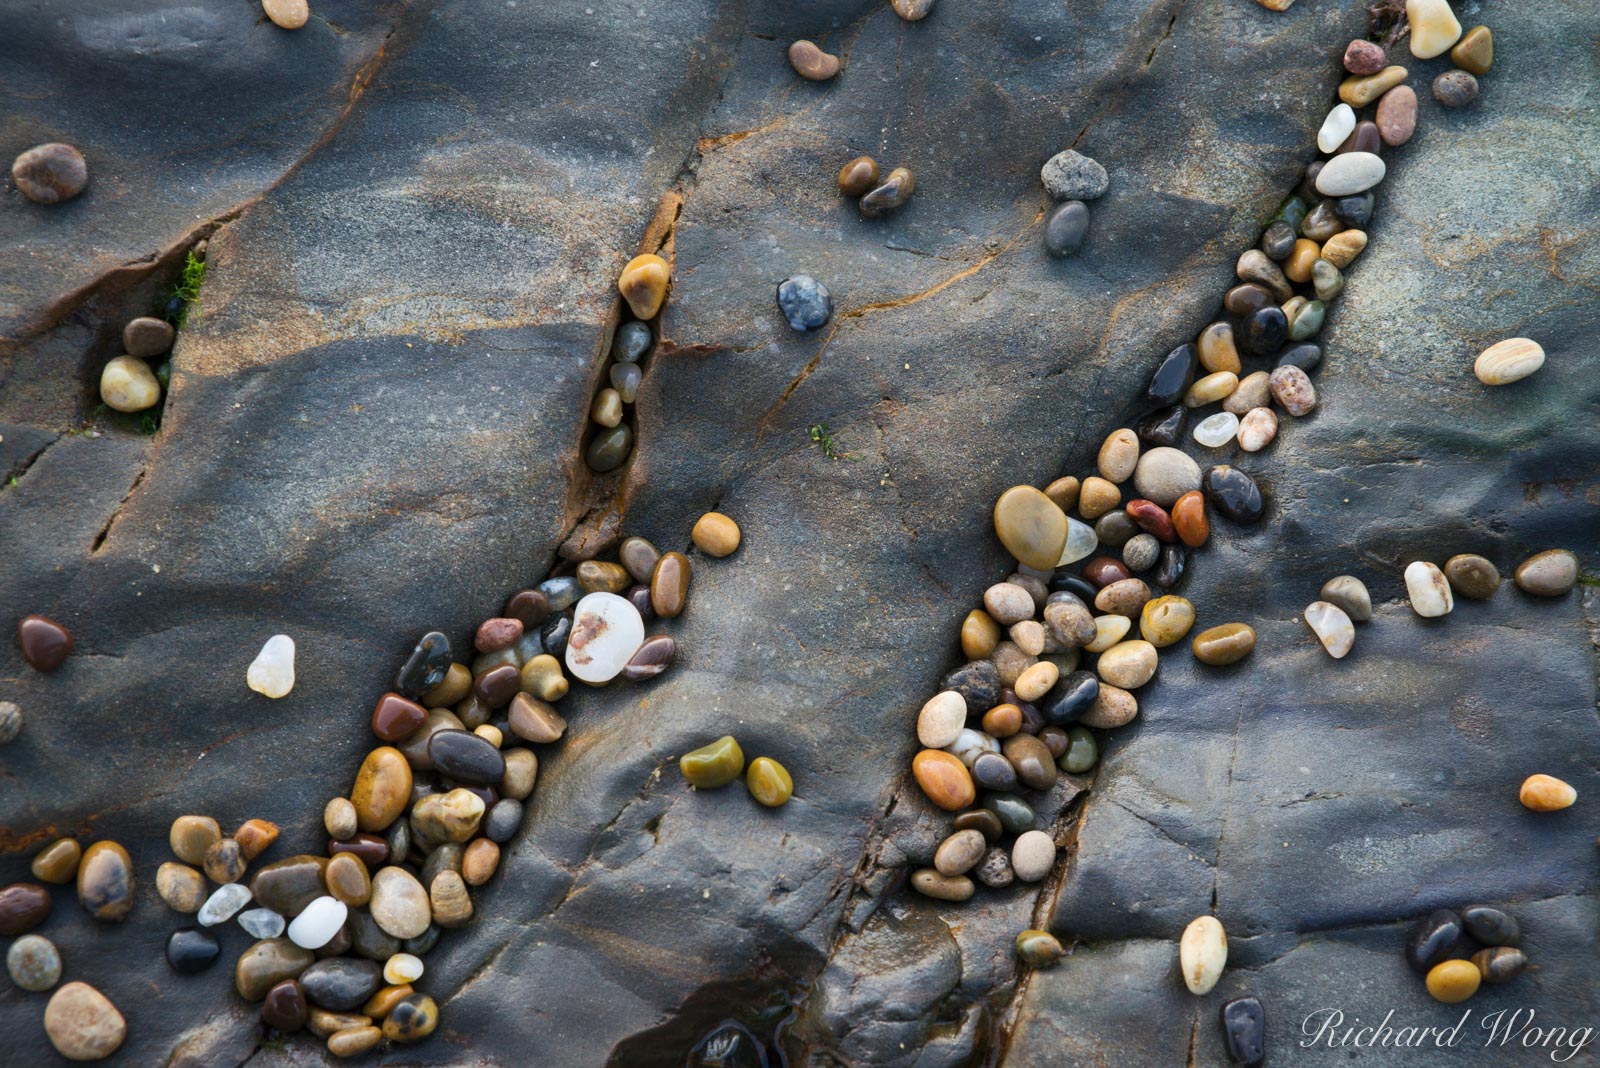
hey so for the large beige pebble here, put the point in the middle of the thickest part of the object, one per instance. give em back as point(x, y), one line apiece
point(1202, 954)
point(128, 385)
point(1128, 665)
point(287, 14)
point(1032, 856)
point(82, 1023)
point(940, 722)
point(1434, 27)
point(1508, 361)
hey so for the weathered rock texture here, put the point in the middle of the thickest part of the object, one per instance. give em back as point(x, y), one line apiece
point(419, 213)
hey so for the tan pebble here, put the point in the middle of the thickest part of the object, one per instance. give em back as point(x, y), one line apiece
point(1276, 5)
point(324, 1023)
point(543, 678)
point(254, 836)
point(82, 1023)
point(941, 720)
point(128, 385)
point(1297, 268)
point(287, 14)
point(1113, 707)
point(1165, 620)
point(1434, 27)
point(1097, 497)
point(1210, 389)
point(1257, 429)
point(1342, 248)
point(354, 1040)
point(1227, 643)
point(1397, 115)
point(1546, 793)
point(912, 10)
point(811, 62)
point(479, 862)
point(339, 817)
point(1358, 92)
point(58, 862)
point(1064, 491)
point(1008, 603)
point(715, 534)
point(1217, 349)
point(643, 284)
point(1508, 361)
point(1128, 665)
point(1202, 954)
point(347, 880)
point(1036, 681)
point(1029, 636)
point(1108, 631)
point(1119, 455)
point(958, 854)
point(1125, 597)
point(1011, 662)
point(1254, 391)
point(979, 635)
point(181, 887)
point(456, 685)
point(929, 883)
point(490, 733)
point(607, 410)
point(1474, 53)
point(522, 770)
point(1031, 527)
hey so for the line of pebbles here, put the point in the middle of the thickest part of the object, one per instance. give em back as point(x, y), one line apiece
point(1025, 706)
point(341, 935)
point(643, 285)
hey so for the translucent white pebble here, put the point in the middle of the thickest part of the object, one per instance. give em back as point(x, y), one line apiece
point(1215, 431)
point(1428, 589)
point(261, 923)
point(1332, 627)
point(220, 907)
point(318, 923)
point(1340, 124)
point(1081, 541)
point(402, 968)
point(272, 672)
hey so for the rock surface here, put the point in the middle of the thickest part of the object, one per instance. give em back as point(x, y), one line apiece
point(281, 493)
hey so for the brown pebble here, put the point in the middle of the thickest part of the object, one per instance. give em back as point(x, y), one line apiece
point(1064, 492)
point(811, 62)
point(1125, 597)
point(534, 720)
point(45, 643)
point(858, 176)
point(602, 576)
point(1096, 497)
point(58, 862)
point(1472, 576)
point(479, 862)
point(944, 779)
point(456, 685)
point(254, 836)
point(1455, 88)
point(669, 586)
point(223, 863)
point(23, 906)
point(1475, 51)
point(979, 635)
point(354, 1040)
point(181, 887)
point(716, 535)
point(50, 173)
point(652, 658)
point(1364, 57)
point(105, 882)
point(1113, 708)
point(496, 634)
point(1227, 643)
point(530, 606)
point(323, 1023)
point(145, 337)
point(1397, 115)
point(348, 880)
point(379, 1004)
point(191, 836)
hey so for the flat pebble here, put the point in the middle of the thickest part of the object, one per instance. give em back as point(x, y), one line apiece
point(1031, 526)
point(1039, 949)
point(944, 779)
point(1215, 431)
point(606, 631)
point(652, 658)
point(426, 667)
point(1244, 1031)
point(1073, 696)
point(960, 853)
point(1472, 576)
point(34, 963)
point(83, 1024)
point(1175, 373)
point(191, 950)
point(1141, 552)
point(929, 883)
point(1202, 954)
point(1332, 627)
point(643, 284)
point(1252, 392)
point(271, 673)
point(1360, 90)
point(632, 341)
point(1338, 125)
point(1210, 389)
point(263, 923)
point(1070, 175)
point(45, 643)
point(1428, 589)
point(805, 302)
point(1128, 665)
point(1508, 361)
point(1546, 793)
point(1234, 494)
point(225, 901)
point(1125, 597)
point(341, 984)
point(1066, 227)
point(1397, 115)
point(399, 903)
point(1547, 574)
point(1119, 454)
point(1032, 856)
point(1227, 643)
point(1352, 172)
point(1257, 429)
point(50, 173)
point(57, 862)
point(889, 196)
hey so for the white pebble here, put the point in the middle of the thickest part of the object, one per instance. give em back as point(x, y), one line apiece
point(402, 968)
point(1332, 627)
point(606, 631)
point(321, 920)
point(942, 719)
point(128, 385)
point(970, 745)
point(1340, 124)
point(1508, 361)
point(1428, 589)
point(1202, 954)
point(224, 901)
point(1033, 855)
point(261, 923)
point(1257, 429)
point(1215, 431)
point(1350, 173)
point(272, 671)
point(1434, 27)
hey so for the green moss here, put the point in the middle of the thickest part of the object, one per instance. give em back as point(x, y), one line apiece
point(823, 437)
point(184, 297)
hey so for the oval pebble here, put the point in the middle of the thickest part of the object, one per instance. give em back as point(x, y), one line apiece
point(929, 883)
point(1066, 227)
point(1472, 576)
point(805, 302)
point(1215, 431)
point(223, 904)
point(1453, 981)
point(1548, 574)
point(606, 631)
point(34, 963)
point(1292, 389)
point(1227, 643)
point(261, 923)
point(944, 779)
point(1546, 793)
point(1508, 361)
point(1428, 589)
point(1033, 854)
point(82, 1023)
point(1338, 125)
point(1203, 954)
point(1352, 172)
point(1257, 429)
point(1397, 115)
point(959, 853)
point(318, 923)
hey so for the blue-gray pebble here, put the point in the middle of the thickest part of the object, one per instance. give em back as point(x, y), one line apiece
point(631, 342)
point(805, 302)
point(1066, 228)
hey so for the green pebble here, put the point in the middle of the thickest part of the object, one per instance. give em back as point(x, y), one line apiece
point(1307, 321)
point(1082, 751)
point(1293, 212)
point(768, 782)
point(1016, 815)
point(608, 449)
point(713, 765)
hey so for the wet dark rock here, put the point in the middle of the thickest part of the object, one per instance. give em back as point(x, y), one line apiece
point(1244, 1031)
point(192, 949)
point(341, 983)
point(1173, 377)
point(1234, 494)
point(1065, 228)
point(426, 666)
point(1433, 939)
point(1164, 426)
point(978, 682)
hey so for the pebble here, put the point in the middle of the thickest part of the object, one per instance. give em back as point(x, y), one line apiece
point(318, 923)
point(402, 968)
point(889, 196)
point(191, 950)
point(1008, 603)
point(632, 341)
point(1349, 594)
point(254, 836)
point(1277, 241)
point(1332, 627)
point(449, 817)
point(1472, 576)
point(286, 14)
point(1304, 323)
point(1082, 751)
point(643, 284)
point(1434, 27)
point(1202, 954)
point(105, 882)
point(940, 722)
point(466, 758)
point(1342, 248)
point(82, 1024)
point(1234, 494)
point(1360, 91)
point(1453, 981)
point(373, 942)
point(1112, 707)
point(426, 667)
point(1491, 926)
point(1364, 57)
point(626, 379)
point(1297, 268)
point(722, 761)
point(1039, 949)
point(858, 176)
point(225, 901)
point(1119, 454)
point(1141, 552)
point(1072, 696)
point(1508, 361)
point(347, 879)
point(1338, 125)
point(284, 1008)
point(1292, 389)
point(1244, 1029)
point(44, 642)
point(449, 900)
point(1165, 474)
point(50, 173)
point(1125, 597)
point(995, 868)
point(607, 630)
point(1546, 793)
point(811, 62)
point(1225, 644)
point(600, 576)
point(339, 817)
point(10, 722)
point(1397, 115)
point(1169, 572)
point(272, 671)
point(1031, 760)
point(1032, 856)
point(224, 861)
point(1247, 299)
point(1355, 210)
point(180, 887)
point(1066, 227)
point(769, 782)
point(1326, 280)
point(1064, 492)
point(1429, 591)
point(1263, 332)
point(399, 903)
point(912, 10)
point(287, 886)
point(34, 963)
point(1254, 266)
point(1216, 350)
point(1175, 373)
point(1096, 497)
point(264, 923)
point(1210, 389)
point(1257, 429)
point(382, 788)
point(1433, 939)
point(944, 779)
point(1215, 431)
point(522, 771)
point(341, 984)
point(1547, 574)
point(1128, 665)
point(607, 451)
point(1499, 964)
point(1162, 427)
point(1352, 172)
point(1108, 631)
point(805, 302)
point(1253, 392)
point(960, 853)
point(1071, 175)
point(1031, 527)
point(994, 772)
point(1474, 53)
point(1162, 622)
point(57, 862)
point(715, 535)
point(1365, 138)
point(929, 883)
point(268, 963)
point(653, 657)
point(128, 385)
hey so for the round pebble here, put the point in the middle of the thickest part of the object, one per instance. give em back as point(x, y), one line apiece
point(769, 782)
point(1491, 926)
point(1455, 88)
point(995, 868)
point(34, 963)
point(858, 176)
point(1165, 474)
point(181, 887)
point(1257, 429)
point(715, 535)
point(83, 1024)
point(1508, 361)
point(1039, 949)
point(1141, 552)
point(643, 284)
point(45, 643)
point(1253, 392)
point(1234, 494)
point(1548, 574)
point(1031, 527)
point(128, 385)
point(1215, 431)
point(1472, 576)
point(1364, 57)
point(1453, 981)
point(1128, 665)
point(1292, 389)
point(1162, 622)
point(1032, 856)
point(1066, 227)
point(1071, 175)
point(805, 302)
point(399, 903)
point(50, 173)
point(912, 10)
point(1546, 793)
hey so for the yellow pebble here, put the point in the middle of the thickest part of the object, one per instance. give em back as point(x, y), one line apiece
point(716, 535)
point(644, 284)
point(769, 782)
point(1546, 793)
point(1454, 980)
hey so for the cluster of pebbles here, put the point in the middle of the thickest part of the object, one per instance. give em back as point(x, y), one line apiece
point(643, 285)
point(1459, 951)
point(340, 935)
point(1071, 178)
